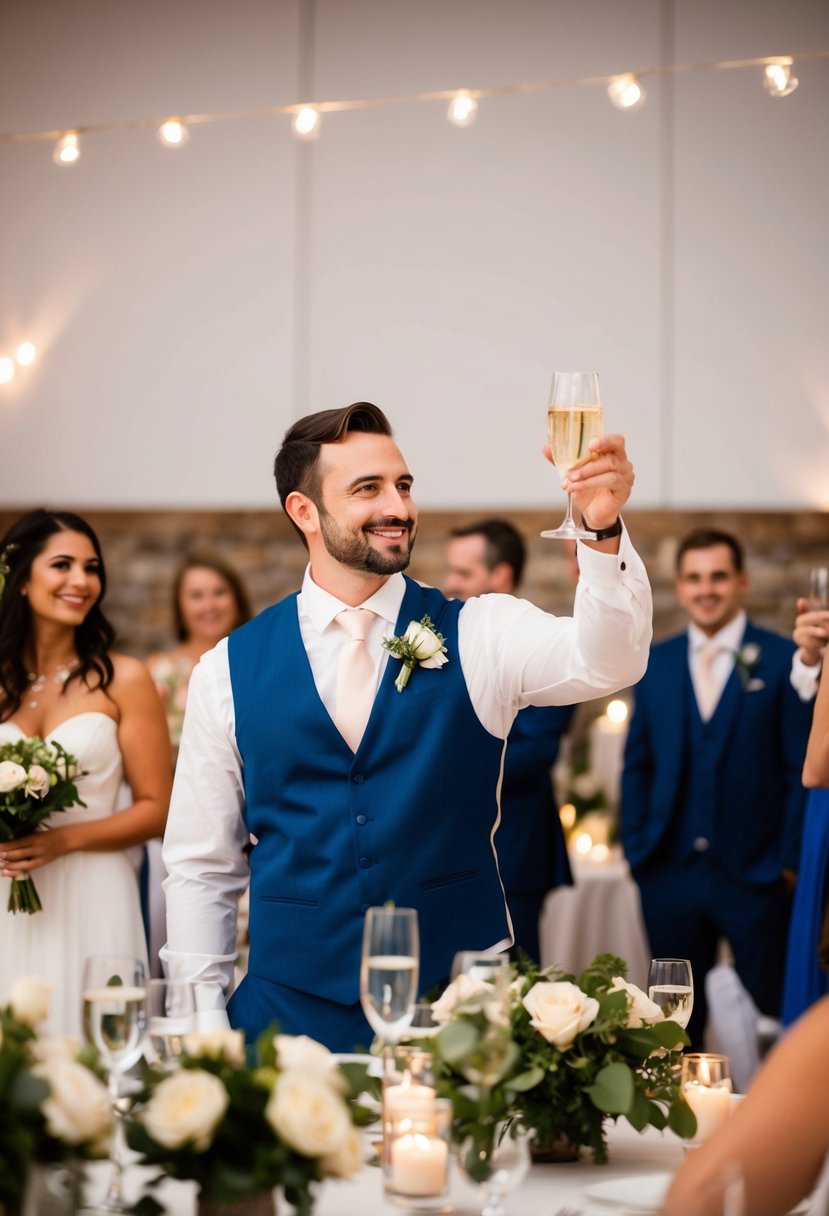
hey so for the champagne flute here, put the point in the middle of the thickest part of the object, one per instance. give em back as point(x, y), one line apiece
point(671, 987)
point(115, 1022)
point(389, 970)
point(819, 588)
point(574, 418)
point(478, 965)
point(171, 1014)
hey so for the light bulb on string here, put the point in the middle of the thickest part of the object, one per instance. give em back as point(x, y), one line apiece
point(617, 711)
point(25, 354)
point(626, 92)
point(463, 109)
point(173, 134)
point(67, 149)
point(7, 369)
point(306, 123)
point(778, 79)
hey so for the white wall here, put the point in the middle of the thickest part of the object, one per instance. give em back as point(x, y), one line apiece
point(188, 305)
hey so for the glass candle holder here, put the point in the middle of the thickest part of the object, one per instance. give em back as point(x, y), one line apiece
point(408, 1088)
point(706, 1087)
point(416, 1171)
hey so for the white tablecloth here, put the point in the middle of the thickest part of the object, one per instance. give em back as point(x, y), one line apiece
point(601, 913)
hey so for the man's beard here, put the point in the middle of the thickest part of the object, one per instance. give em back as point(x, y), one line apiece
point(355, 549)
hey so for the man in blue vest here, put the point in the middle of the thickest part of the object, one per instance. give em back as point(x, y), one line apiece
point(712, 801)
point(483, 558)
point(356, 792)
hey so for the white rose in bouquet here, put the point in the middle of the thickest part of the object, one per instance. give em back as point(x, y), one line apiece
point(642, 1011)
point(217, 1043)
point(347, 1159)
point(77, 1107)
point(29, 999)
point(186, 1108)
point(559, 1011)
point(38, 781)
point(462, 989)
point(12, 776)
point(306, 1054)
point(307, 1113)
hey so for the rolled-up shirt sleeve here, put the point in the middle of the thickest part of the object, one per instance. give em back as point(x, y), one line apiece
point(204, 842)
point(805, 679)
point(514, 655)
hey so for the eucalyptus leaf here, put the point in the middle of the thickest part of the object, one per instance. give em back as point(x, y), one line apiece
point(613, 1089)
point(457, 1040)
point(682, 1120)
point(526, 1080)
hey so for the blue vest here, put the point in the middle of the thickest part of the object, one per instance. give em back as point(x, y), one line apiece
point(410, 817)
point(703, 748)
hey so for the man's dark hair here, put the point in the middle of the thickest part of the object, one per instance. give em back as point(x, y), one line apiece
point(296, 466)
point(504, 543)
point(707, 538)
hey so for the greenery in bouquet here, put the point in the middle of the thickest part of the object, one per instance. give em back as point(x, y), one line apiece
point(53, 1105)
point(560, 1054)
point(36, 779)
point(236, 1129)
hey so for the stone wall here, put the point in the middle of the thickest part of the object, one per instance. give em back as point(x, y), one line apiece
point(143, 548)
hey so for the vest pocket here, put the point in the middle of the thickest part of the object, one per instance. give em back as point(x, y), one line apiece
point(446, 880)
point(283, 899)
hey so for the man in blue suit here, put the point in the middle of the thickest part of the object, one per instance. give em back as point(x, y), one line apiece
point(356, 792)
point(484, 558)
point(712, 801)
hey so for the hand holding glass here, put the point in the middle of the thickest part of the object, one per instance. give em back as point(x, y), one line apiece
point(574, 419)
point(389, 970)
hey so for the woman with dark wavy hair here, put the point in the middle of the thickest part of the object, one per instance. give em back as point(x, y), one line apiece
point(60, 681)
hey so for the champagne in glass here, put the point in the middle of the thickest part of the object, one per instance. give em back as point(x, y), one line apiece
point(574, 418)
point(389, 970)
point(171, 1014)
point(671, 987)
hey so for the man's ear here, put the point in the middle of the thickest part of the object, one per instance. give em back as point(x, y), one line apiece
point(502, 578)
point(303, 512)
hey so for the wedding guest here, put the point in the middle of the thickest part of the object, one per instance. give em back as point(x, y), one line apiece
point(712, 801)
point(359, 793)
point(60, 680)
point(777, 1138)
point(483, 558)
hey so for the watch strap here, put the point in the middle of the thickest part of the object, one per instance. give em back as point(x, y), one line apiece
point(615, 529)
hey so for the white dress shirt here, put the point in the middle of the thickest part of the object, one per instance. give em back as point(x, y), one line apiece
point(727, 641)
point(804, 678)
point(512, 654)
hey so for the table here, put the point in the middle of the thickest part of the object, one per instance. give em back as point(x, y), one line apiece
point(601, 913)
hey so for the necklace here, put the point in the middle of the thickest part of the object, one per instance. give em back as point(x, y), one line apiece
point(37, 683)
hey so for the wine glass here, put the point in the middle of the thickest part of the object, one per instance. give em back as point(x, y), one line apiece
point(818, 588)
point(115, 1022)
point(478, 965)
point(171, 1014)
point(501, 1168)
point(574, 418)
point(671, 987)
point(389, 970)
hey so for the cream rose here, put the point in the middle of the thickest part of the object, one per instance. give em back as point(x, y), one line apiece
point(463, 988)
point(559, 1011)
point(77, 1107)
point(301, 1052)
point(427, 647)
point(306, 1112)
point(642, 1011)
point(12, 776)
point(38, 781)
point(29, 999)
point(186, 1108)
point(217, 1043)
point(345, 1160)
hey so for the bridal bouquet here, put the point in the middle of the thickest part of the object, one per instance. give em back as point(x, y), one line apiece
point(240, 1131)
point(36, 778)
point(558, 1054)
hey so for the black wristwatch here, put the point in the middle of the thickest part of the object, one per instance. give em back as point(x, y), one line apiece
point(604, 533)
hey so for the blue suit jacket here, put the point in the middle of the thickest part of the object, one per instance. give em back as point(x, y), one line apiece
point(761, 744)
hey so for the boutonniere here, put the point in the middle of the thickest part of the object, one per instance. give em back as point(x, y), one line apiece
point(746, 660)
point(421, 644)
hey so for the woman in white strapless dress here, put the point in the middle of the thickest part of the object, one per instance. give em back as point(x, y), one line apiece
point(59, 680)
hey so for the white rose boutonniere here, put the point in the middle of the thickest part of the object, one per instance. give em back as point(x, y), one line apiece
point(746, 660)
point(421, 644)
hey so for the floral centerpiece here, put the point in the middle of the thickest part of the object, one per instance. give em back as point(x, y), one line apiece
point(239, 1131)
point(36, 778)
point(557, 1053)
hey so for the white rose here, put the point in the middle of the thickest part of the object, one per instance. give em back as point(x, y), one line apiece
point(12, 776)
point(750, 653)
point(306, 1112)
point(427, 647)
point(29, 999)
point(559, 1011)
point(301, 1052)
point(77, 1107)
point(186, 1108)
point(463, 988)
point(38, 781)
point(217, 1043)
point(642, 1011)
point(345, 1160)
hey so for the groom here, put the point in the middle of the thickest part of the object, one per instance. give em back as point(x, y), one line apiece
point(357, 793)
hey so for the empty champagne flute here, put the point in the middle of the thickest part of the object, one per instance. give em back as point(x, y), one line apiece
point(671, 987)
point(171, 1014)
point(574, 418)
point(115, 1022)
point(389, 970)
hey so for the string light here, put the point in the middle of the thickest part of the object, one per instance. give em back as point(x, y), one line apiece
point(626, 92)
point(7, 369)
point(617, 711)
point(67, 150)
point(778, 79)
point(25, 354)
point(173, 133)
point(306, 123)
point(463, 109)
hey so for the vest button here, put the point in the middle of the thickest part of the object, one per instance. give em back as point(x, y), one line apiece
point(358, 778)
point(364, 863)
point(361, 819)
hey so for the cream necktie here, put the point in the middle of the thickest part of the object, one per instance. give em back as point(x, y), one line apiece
point(708, 687)
point(355, 676)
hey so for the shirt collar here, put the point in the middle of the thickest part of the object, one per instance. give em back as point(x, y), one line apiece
point(728, 638)
point(320, 607)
